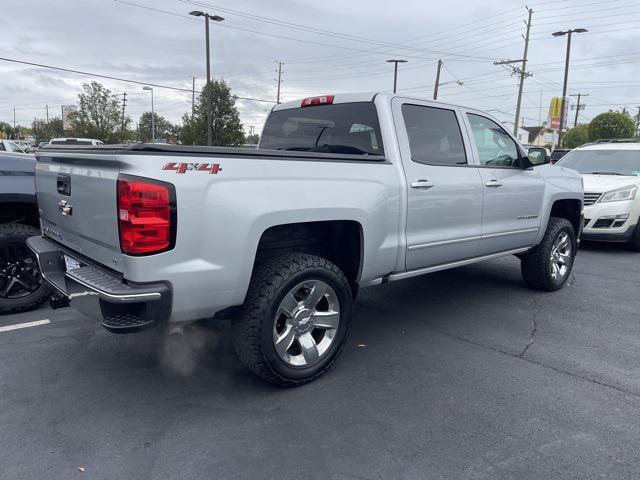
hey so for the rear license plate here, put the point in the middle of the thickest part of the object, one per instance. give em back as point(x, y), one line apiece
point(71, 263)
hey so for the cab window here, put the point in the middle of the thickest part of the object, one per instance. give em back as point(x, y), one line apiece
point(495, 146)
point(434, 135)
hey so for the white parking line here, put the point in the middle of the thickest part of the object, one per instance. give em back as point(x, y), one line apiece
point(18, 326)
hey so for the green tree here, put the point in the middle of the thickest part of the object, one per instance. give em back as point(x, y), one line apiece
point(226, 126)
point(252, 139)
point(163, 128)
point(99, 115)
point(576, 136)
point(44, 131)
point(611, 125)
point(9, 132)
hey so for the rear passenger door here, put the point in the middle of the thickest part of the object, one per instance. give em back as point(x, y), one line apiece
point(444, 194)
point(512, 194)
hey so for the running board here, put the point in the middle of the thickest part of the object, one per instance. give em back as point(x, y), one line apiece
point(414, 273)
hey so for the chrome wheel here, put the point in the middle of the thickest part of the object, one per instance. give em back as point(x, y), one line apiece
point(560, 256)
point(306, 323)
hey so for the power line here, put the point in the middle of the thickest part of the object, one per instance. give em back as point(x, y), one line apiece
point(577, 17)
point(297, 26)
point(311, 42)
point(119, 79)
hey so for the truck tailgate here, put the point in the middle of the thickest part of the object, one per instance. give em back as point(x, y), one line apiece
point(78, 204)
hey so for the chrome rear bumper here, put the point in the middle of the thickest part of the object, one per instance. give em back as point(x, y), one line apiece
point(120, 306)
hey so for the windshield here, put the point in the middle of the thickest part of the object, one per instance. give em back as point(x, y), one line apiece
point(350, 128)
point(604, 162)
point(14, 147)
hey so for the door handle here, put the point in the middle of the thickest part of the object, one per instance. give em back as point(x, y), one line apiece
point(422, 184)
point(494, 183)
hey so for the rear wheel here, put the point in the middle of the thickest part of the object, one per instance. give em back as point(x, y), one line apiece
point(548, 265)
point(295, 319)
point(21, 285)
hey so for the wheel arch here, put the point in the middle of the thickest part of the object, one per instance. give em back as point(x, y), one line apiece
point(569, 209)
point(16, 209)
point(562, 206)
point(339, 241)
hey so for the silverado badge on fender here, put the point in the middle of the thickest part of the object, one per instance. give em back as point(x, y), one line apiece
point(212, 168)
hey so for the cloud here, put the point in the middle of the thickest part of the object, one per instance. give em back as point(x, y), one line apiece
point(111, 38)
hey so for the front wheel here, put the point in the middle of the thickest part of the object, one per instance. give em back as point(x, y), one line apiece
point(634, 243)
point(548, 265)
point(295, 319)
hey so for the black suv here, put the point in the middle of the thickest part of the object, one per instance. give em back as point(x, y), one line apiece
point(21, 285)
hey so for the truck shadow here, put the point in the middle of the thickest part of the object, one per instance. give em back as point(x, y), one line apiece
point(453, 301)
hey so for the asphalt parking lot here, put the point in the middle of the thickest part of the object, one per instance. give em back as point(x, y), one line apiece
point(463, 374)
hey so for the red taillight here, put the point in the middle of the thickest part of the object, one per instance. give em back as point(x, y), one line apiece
point(323, 100)
point(146, 216)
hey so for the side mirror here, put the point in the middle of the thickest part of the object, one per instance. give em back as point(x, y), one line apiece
point(538, 156)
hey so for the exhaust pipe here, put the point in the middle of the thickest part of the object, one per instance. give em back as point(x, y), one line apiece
point(58, 300)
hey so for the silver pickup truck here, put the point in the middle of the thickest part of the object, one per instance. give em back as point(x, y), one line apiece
point(344, 192)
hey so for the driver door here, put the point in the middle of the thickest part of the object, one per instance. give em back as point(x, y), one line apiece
point(512, 194)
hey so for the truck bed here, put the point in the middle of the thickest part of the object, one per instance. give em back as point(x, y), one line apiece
point(197, 150)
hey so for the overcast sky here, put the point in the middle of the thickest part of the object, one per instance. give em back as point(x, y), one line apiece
point(328, 47)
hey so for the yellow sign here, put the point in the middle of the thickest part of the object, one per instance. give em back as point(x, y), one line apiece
point(555, 113)
point(556, 107)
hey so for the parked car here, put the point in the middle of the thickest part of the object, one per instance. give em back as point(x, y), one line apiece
point(21, 285)
point(25, 146)
point(344, 192)
point(558, 153)
point(75, 141)
point(12, 146)
point(611, 173)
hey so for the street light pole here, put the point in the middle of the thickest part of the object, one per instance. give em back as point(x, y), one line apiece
point(563, 110)
point(215, 18)
point(153, 115)
point(395, 72)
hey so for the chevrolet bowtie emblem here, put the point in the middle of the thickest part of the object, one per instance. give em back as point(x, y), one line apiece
point(65, 209)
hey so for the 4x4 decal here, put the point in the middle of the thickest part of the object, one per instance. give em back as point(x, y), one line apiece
point(212, 168)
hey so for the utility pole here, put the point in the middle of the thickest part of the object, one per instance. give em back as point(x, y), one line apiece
point(638, 123)
point(279, 80)
point(578, 105)
point(193, 97)
point(124, 104)
point(522, 71)
point(395, 72)
point(437, 85)
point(47, 107)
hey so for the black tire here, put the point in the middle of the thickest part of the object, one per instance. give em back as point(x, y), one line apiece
point(14, 249)
point(253, 330)
point(536, 264)
point(634, 243)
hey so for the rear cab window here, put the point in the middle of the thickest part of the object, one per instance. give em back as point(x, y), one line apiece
point(342, 128)
point(434, 135)
point(72, 141)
